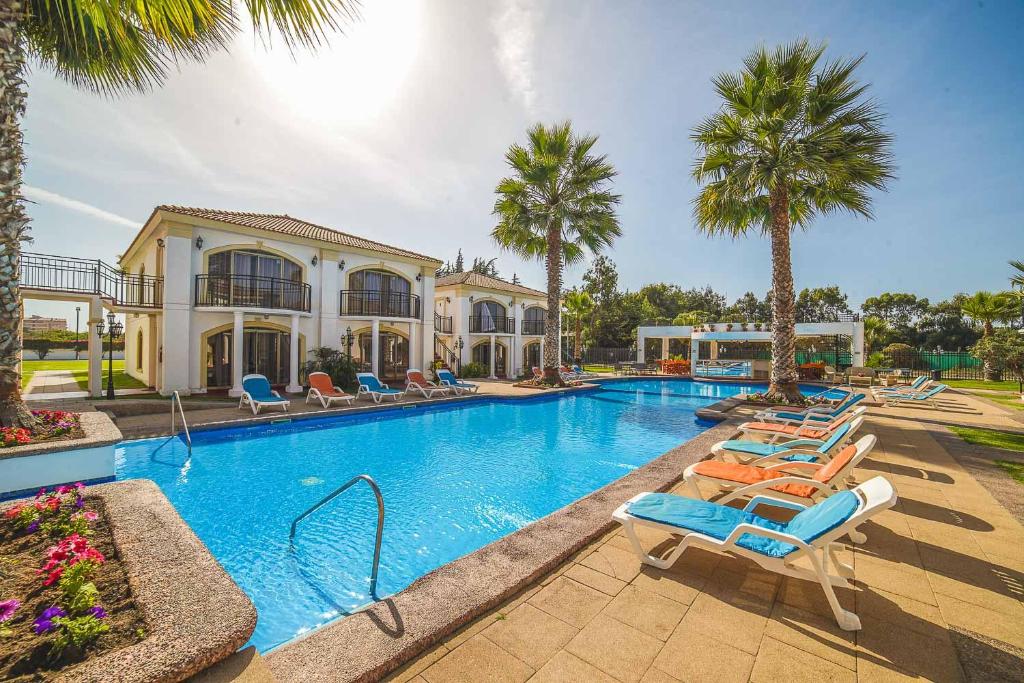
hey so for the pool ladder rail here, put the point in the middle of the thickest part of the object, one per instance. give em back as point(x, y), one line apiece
point(176, 401)
point(380, 521)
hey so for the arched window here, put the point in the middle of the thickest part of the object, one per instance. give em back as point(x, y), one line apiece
point(488, 316)
point(379, 292)
point(533, 320)
point(250, 277)
point(138, 351)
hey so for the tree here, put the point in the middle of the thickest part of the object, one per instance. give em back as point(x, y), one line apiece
point(821, 305)
point(898, 309)
point(578, 306)
point(749, 309)
point(459, 263)
point(601, 280)
point(1001, 351)
point(43, 346)
point(875, 329)
point(515, 279)
point(485, 266)
point(108, 47)
point(945, 327)
point(693, 318)
point(793, 139)
point(554, 206)
point(1017, 279)
point(986, 308)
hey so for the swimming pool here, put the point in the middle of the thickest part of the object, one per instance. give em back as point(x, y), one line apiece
point(455, 477)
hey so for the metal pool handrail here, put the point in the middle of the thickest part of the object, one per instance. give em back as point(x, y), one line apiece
point(380, 521)
point(176, 399)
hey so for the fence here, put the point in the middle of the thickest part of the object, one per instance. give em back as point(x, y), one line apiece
point(601, 355)
point(951, 364)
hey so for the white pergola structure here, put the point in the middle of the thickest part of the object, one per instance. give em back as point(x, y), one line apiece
point(717, 333)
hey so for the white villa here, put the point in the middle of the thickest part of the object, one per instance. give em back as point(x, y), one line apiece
point(489, 321)
point(238, 293)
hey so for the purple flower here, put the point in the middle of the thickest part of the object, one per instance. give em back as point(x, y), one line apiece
point(33, 526)
point(44, 624)
point(98, 612)
point(8, 608)
point(79, 503)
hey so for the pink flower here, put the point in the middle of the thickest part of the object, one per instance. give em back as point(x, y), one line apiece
point(8, 608)
point(53, 577)
point(91, 516)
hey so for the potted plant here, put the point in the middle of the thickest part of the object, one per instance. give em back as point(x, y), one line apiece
point(728, 327)
point(744, 326)
point(711, 328)
point(757, 327)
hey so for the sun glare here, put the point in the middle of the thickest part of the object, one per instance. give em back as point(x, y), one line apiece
point(356, 77)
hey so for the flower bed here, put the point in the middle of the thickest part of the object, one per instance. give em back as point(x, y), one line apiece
point(53, 425)
point(64, 596)
point(674, 367)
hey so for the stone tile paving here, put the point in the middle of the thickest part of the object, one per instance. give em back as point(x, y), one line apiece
point(939, 589)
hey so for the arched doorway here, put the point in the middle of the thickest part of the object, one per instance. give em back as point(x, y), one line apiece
point(265, 350)
point(531, 357)
point(482, 354)
point(392, 354)
point(533, 320)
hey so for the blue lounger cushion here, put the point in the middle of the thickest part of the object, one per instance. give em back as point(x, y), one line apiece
point(718, 521)
point(374, 385)
point(446, 376)
point(764, 449)
point(259, 390)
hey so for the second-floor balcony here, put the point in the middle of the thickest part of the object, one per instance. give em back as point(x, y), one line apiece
point(533, 327)
point(252, 291)
point(442, 323)
point(378, 304)
point(486, 324)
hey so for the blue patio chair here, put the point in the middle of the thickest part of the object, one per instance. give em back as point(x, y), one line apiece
point(256, 393)
point(449, 380)
point(815, 414)
point(375, 389)
point(797, 450)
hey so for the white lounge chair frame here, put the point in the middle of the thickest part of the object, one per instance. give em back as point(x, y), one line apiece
point(735, 491)
point(896, 398)
point(375, 395)
point(793, 447)
point(458, 389)
point(875, 495)
point(326, 401)
point(246, 399)
point(429, 390)
point(750, 433)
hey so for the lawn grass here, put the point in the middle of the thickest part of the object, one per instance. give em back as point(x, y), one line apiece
point(1014, 469)
point(992, 438)
point(1009, 400)
point(598, 368)
point(1002, 385)
point(80, 371)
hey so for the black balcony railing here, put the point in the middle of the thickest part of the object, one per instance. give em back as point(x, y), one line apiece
point(90, 276)
point(533, 327)
point(485, 324)
point(375, 303)
point(252, 291)
point(442, 323)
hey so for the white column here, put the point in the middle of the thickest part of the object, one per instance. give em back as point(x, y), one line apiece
point(494, 348)
point(95, 348)
point(330, 288)
point(177, 316)
point(517, 358)
point(541, 356)
point(415, 352)
point(237, 353)
point(641, 342)
point(664, 348)
point(293, 360)
point(375, 347)
point(857, 342)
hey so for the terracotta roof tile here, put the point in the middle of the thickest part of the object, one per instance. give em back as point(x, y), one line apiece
point(286, 225)
point(472, 279)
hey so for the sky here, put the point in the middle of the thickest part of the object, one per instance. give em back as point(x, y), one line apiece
point(397, 132)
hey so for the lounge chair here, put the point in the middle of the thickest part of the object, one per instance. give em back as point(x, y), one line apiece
point(583, 374)
point(797, 450)
point(804, 482)
point(917, 399)
point(822, 414)
point(449, 380)
point(919, 385)
point(256, 393)
point(537, 374)
point(775, 546)
point(415, 381)
point(567, 375)
point(322, 389)
point(771, 432)
point(375, 389)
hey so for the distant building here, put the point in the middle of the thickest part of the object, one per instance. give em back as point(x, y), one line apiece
point(37, 323)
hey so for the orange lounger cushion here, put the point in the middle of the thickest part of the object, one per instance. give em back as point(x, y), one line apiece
point(748, 474)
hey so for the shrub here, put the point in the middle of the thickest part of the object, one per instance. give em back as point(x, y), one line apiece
point(875, 360)
point(1003, 350)
point(474, 370)
point(43, 348)
point(337, 364)
point(900, 355)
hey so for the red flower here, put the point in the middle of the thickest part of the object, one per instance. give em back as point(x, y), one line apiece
point(13, 512)
point(53, 577)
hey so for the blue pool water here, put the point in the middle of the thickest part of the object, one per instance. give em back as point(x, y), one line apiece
point(454, 478)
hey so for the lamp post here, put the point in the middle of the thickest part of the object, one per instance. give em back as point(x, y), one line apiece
point(348, 341)
point(78, 312)
point(114, 329)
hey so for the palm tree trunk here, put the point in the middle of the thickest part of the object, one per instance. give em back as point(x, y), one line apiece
point(783, 385)
point(553, 261)
point(13, 219)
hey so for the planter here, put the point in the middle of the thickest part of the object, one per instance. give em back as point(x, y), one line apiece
point(25, 469)
point(194, 614)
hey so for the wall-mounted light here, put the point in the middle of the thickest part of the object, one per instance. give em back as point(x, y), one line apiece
point(471, 299)
point(199, 242)
point(419, 276)
point(341, 264)
point(523, 305)
point(315, 259)
point(511, 302)
point(160, 242)
point(448, 299)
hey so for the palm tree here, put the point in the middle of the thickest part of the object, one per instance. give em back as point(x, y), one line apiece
point(794, 138)
point(578, 305)
point(109, 47)
point(987, 308)
point(1017, 279)
point(554, 205)
point(875, 329)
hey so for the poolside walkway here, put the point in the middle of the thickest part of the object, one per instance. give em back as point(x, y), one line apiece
point(939, 590)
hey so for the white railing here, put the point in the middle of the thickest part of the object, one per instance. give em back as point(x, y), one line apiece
point(176, 399)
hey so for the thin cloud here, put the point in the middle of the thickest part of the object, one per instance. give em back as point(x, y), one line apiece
point(515, 31)
point(38, 194)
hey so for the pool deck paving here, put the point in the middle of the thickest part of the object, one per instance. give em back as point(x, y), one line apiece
point(939, 586)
